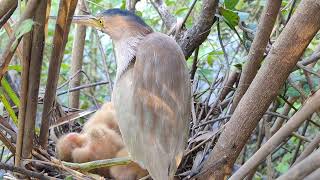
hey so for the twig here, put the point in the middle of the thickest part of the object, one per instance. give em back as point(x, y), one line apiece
point(301, 138)
point(215, 165)
point(311, 105)
point(7, 143)
point(83, 87)
point(168, 19)
point(213, 120)
point(309, 149)
point(10, 49)
point(303, 168)
point(194, 64)
point(7, 16)
point(87, 166)
point(25, 172)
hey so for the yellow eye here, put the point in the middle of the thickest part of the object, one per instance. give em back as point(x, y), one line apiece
point(100, 21)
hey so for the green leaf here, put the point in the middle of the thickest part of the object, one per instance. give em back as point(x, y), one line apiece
point(15, 67)
point(170, 2)
point(180, 11)
point(139, 13)
point(210, 59)
point(8, 108)
point(230, 17)
point(7, 88)
point(238, 66)
point(25, 27)
point(68, 178)
point(123, 5)
point(230, 4)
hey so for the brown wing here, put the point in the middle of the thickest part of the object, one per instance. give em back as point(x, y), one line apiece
point(157, 114)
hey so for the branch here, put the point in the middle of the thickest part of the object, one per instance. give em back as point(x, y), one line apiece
point(312, 104)
point(303, 168)
point(25, 172)
point(77, 56)
point(10, 48)
point(257, 49)
point(87, 166)
point(199, 32)
point(168, 19)
point(309, 149)
point(6, 5)
point(191, 39)
point(66, 11)
point(33, 54)
point(279, 63)
point(131, 5)
point(82, 87)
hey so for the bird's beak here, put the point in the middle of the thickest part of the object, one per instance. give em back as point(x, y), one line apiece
point(88, 20)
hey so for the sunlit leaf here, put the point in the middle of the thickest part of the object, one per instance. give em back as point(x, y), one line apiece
point(180, 11)
point(230, 17)
point(17, 68)
point(8, 107)
point(7, 88)
point(230, 4)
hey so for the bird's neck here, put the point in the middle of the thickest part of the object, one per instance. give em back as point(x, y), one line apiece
point(125, 50)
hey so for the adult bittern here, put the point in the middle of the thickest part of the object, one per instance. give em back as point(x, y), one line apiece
point(151, 93)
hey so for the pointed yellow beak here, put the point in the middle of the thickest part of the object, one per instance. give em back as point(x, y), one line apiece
point(88, 20)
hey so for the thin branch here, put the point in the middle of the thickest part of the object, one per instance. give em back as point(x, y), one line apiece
point(168, 19)
point(25, 172)
point(309, 149)
point(312, 104)
point(303, 168)
point(87, 166)
point(66, 11)
point(11, 46)
point(82, 87)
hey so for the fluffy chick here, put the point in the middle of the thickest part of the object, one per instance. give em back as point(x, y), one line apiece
point(105, 116)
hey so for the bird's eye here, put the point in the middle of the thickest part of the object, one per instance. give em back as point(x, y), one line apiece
point(100, 21)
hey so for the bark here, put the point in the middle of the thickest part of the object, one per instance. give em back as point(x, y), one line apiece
point(9, 50)
point(77, 58)
point(313, 176)
point(131, 5)
point(279, 121)
point(8, 28)
point(168, 19)
point(30, 11)
point(281, 59)
point(7, 8)
point(6, 5)
point(311, 105)
point(314, 144)
point(232, 79)
point(257, 49)
point(303, 168)
point(195, 36)
point(36, 56)
point(66, 11)
point(192, 38)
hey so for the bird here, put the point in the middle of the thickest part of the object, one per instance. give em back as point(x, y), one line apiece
point(86, 146)
point(99, 139)
point(152, 90)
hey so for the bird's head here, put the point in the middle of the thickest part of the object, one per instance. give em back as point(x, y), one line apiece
point(117, 23)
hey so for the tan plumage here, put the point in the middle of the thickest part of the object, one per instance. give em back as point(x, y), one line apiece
point(151, 94)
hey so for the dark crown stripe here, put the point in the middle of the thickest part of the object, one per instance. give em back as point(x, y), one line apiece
point(119, 12)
